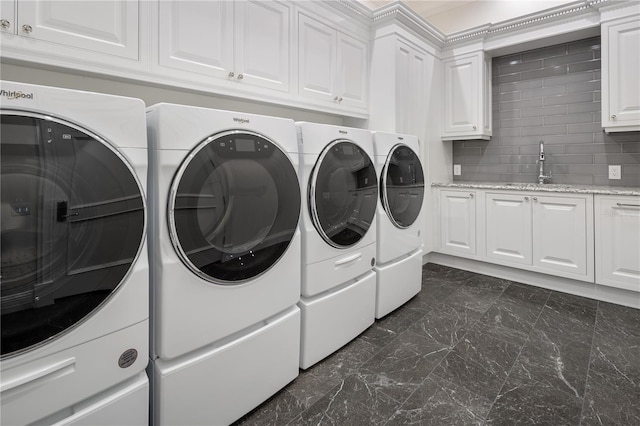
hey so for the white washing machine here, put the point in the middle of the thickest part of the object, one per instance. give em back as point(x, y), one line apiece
point(75, 276)
point(225, 202)
point(338, 237)
point(399, 220)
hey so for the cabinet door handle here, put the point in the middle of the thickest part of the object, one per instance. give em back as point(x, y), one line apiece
point(335, 98)
point(4, 23)
point(231, 74)
point(471, 195)
point(340, 99)
point(526, 198)
point(474, 127)
point(613, 117)
point(627, 205)
point(240, 76)
point(535, 198)
point(27, 28)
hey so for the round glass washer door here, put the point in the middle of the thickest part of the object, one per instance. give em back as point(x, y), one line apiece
point(343, 193)
point(402, 186)
point(234, 207)
point(73, 225)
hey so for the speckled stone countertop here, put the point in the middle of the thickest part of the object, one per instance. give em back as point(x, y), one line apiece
point(547, 187)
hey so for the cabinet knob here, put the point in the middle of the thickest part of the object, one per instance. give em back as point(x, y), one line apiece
point(613, 117)
point(535, 198)
point(471, 195)
point(335, 98)
point(231, 74)
point(340, 99)
point(474, 127)
point(240, 76)
point(27, 28)
point(4, 23)
point(526, 198)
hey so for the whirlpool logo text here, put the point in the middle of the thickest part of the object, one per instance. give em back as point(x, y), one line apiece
point(15, 94)
point(241, 120)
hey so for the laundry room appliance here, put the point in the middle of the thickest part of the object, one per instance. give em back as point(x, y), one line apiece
point(399, 222)
point(338, 237)
point(75, 276)
point(225, 245)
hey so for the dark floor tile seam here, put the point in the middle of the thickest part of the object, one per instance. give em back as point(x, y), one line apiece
point(593, 339)
point(515, 361)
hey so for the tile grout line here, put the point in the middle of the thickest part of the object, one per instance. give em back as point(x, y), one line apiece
point(518, 356)
point(586, 380)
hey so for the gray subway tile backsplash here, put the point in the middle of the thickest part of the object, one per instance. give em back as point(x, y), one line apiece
point(552, 95)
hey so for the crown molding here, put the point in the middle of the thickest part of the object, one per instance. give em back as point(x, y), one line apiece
point(398, 12)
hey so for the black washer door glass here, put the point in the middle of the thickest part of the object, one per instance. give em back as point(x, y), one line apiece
point(343, 193)
point(234, 207)
point(72, 225)
point(402, 186)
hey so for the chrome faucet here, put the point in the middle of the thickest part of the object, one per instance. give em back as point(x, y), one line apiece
point(541, 176)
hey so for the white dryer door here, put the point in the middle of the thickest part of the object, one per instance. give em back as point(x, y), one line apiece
point(343, 193)
point(234, 207)
point(402, 184)
point(73, 223)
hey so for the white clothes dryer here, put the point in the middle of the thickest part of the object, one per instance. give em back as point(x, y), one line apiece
point(75, 276)
point(399, 220)
point(225, 198)
point(338, 237)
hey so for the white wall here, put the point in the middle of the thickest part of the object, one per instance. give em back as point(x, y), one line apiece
point(155, 94)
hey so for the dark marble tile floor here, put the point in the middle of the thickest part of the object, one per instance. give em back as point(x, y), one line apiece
point(475, 350)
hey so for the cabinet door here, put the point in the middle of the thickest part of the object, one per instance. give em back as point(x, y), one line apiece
point(458, 222)
point(617, 229)
point(560, 234)
point(461, 95)
point(620, 70)
point(8, 16)
point(196, 36)
point(317, 56)
point(262, 53)
point(103, 26)
point(351, 78)
point(508, 231)
point(411, 89)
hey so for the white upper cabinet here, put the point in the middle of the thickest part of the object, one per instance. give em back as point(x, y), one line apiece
point(246, 42)
point(621, 74)
point(333, 66)
point(467, 97)
point(8, 16)
point(617, 228)
point(108, 27)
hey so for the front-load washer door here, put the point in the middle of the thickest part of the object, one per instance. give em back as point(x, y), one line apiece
point(343, 193)
point(73, 224)
point(402, 186)
point(234, 207)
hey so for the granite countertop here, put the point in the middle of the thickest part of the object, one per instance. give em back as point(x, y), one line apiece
point(547, 187)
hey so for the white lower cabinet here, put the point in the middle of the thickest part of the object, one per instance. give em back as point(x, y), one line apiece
point(617, 236)
point(535, 231)
point(560, 238)
point(545, 233)
point(508, 229)
point(458, 222)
